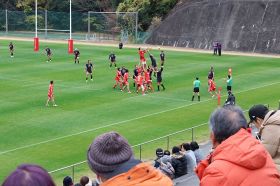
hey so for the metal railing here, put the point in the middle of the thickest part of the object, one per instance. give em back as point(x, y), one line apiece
point(80, 169)
point(75, 169)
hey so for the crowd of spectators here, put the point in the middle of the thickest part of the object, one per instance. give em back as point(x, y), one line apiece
point(236, 158)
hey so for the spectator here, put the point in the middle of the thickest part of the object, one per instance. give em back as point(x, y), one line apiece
point(268, 123)
point(110, 158)
point(83, 181)
point(67, 181)
point(166, 152)
point(159, 154)
point(219, 47)
point(166, 167)
point(197, 152)
point(190, 157)
point(29, 175)
point(237, 157)
point(178, 162)
point(166, 155)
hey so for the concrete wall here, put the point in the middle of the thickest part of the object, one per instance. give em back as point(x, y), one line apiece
point(240, 25)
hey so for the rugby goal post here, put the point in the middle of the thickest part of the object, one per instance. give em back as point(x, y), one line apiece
point(121, 26)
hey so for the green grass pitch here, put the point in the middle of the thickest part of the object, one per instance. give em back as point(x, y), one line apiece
point(56, 137)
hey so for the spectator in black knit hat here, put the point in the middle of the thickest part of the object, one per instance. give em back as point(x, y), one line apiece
point(110, 157)
point(159, 154)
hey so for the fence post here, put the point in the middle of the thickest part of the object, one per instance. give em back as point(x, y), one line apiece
point(167, 143)
point(192, 133)
point(46, 24)
point(73, 173)
point(88, 26)
point(6, 22)
point(140, 153)
point(136, 28)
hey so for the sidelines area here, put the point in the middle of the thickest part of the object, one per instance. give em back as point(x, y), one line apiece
point(121, 122)
point(145, 45)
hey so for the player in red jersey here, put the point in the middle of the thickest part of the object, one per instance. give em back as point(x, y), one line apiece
point(51, 95)
point(118, 79)
point(148, 81)
point(140, 83)
point(143, 61)
point(125, 81)
point(212, 88)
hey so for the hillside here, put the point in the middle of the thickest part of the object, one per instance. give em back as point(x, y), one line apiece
point(240, 25)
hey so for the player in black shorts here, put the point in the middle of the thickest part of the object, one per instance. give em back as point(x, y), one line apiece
point(49, 54)
point(11, 47)
point(159, 78)
point(88, 69)
point(154, 63)
point(135, 74)
point(162, 58)
point(112, 58)
point(77, 55)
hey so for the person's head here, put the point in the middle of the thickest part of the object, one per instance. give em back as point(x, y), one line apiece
point(166, 152)
point(186, 146)
point(225, 122)
point(51, 82)
point(139, 48)
point(211, 68)
point(257, 114)
point(159, 152)
point(84, 180)
point(196, 78)
point(175, 150)
point(29, 175)
point(67, 181)
point(194, 145)
point(108, 152)
point(162, 51)
point(76, 49)
point(88, 61)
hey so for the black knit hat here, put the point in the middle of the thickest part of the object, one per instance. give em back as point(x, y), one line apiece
point(107, 152)
point(257, 111)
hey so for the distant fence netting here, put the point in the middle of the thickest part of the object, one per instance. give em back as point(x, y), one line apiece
point(118, 26)
point(94, 26)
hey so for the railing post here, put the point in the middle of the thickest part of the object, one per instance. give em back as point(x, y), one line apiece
point(140, 153)
point(192, 133)
point(73, 173)
point(167, 143)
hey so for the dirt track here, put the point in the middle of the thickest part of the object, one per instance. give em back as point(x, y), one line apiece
point(144, 46)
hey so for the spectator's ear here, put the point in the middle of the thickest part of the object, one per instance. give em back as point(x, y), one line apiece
point(213, 140)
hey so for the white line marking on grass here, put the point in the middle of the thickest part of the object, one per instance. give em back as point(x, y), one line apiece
point(168, 98)
point(121, 122)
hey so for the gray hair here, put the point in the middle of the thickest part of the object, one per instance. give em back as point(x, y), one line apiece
point(226, 121)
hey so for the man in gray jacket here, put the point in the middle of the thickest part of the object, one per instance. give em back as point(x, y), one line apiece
point(268, 123)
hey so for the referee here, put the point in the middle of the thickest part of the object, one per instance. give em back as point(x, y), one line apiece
point(196, 85)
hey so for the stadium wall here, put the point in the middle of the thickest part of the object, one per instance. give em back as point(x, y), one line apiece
point(240, 25)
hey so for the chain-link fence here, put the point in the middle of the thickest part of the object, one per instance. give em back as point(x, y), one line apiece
point(96, 26)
